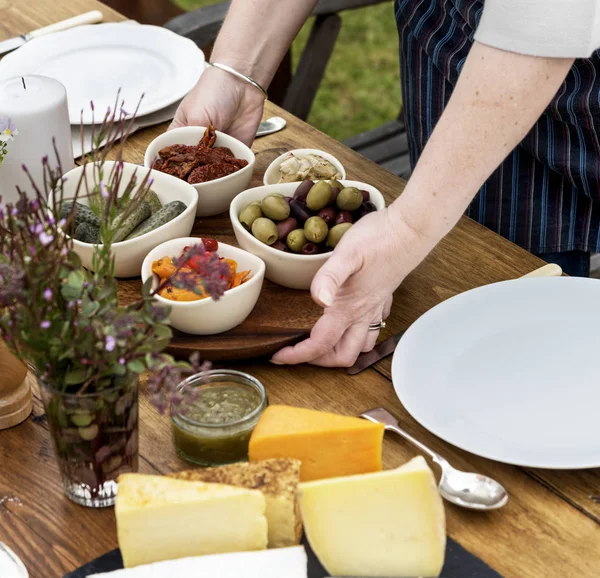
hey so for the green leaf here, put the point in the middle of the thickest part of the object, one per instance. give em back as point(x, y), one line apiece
point(75, 376)
point(74, 286)
point(162, 331)
point(147, 287)
point(119, 369)
point(90, 308)
point(136, 366)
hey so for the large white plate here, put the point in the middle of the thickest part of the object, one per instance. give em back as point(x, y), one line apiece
point(510, 372)
point(93, 62)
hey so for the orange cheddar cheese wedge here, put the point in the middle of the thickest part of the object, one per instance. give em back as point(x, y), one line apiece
point(327, 444)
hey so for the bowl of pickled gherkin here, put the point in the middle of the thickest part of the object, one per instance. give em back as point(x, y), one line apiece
point(294, 227)
point(166, 212)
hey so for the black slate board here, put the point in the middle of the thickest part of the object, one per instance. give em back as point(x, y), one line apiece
point(460, 563)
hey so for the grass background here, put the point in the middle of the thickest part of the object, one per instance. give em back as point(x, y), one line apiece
point(361, 87)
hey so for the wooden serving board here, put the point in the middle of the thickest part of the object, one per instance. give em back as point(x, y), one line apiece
point(281, 316)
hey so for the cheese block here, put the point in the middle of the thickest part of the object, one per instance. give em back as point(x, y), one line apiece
point(383, 524)
point(159, 518)
point(284, 562)
point(277, 479)
point(327, 444)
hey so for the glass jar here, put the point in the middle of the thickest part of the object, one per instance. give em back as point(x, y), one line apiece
point(95, 439)
point(214, 418)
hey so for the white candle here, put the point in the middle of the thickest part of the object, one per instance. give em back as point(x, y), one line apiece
point(37, 106)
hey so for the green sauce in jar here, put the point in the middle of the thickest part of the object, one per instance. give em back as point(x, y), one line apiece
point(213, 424)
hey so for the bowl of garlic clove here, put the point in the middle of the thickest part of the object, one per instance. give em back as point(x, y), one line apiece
point(302, 164)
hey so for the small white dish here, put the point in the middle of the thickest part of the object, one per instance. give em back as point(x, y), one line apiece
point(286, 269)
point(272, 174)
point(207, 316)
point(214, 197)
point(130, 254)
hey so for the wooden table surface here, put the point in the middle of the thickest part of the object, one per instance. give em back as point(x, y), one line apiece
point(550, 527)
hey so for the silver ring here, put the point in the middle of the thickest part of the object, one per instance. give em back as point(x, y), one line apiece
point(377, 326)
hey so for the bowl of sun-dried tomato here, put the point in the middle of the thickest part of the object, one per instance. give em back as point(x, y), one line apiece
point(217, 165)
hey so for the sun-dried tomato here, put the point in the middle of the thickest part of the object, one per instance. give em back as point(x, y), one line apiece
point(209, 138)
point(207, 173)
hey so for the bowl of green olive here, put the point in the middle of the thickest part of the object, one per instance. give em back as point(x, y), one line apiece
point(294, 227)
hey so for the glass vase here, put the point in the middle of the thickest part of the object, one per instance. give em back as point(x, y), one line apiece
point(95, 439)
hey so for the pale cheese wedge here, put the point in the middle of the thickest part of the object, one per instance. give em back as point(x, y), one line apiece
point(388, 523)
point(280, 563)
point(160, 518)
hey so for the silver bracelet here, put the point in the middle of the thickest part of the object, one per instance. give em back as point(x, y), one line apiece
point(240, 76)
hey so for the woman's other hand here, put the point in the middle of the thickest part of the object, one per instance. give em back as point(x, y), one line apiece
point(219, 98)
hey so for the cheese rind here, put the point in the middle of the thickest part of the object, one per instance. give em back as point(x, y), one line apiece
point(277, 479)
point(388, 523)
point(327, 444)
point(288, 562)
point(160, 518)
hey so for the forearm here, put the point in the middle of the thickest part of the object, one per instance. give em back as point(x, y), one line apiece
point(257, 33)
point(497, 99)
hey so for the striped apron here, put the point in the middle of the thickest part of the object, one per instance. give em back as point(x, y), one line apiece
point(546, 195)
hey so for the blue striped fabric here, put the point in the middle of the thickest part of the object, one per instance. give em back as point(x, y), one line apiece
point(546, 194)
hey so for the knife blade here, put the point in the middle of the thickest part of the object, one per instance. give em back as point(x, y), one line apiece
point(381, 350)
point(11, 44)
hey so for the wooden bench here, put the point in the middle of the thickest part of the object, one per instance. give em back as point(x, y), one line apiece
point(386, 145)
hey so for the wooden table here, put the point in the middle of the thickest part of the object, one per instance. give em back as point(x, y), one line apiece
point(550, 528)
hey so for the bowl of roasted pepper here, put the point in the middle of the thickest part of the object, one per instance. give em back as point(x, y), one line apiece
point(192, 309)
point(217, 165)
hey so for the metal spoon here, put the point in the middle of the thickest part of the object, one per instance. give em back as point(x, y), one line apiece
point(271, 125)
point(468, 490)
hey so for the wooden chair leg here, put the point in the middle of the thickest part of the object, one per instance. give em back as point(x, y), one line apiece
point(311, 68)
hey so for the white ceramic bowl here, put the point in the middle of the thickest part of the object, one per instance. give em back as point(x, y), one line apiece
point(207, 316)
point(287, 269)
point(272, 173)
point(214, 197)
point(130, 254)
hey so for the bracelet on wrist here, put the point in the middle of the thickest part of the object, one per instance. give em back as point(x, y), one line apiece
point(240, 76)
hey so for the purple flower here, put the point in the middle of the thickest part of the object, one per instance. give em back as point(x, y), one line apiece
point(45, 239)
point(111, 343)
point(8, 130)
point(103, 190)
point(45, 324)
point(122, 361)
point(47, 294)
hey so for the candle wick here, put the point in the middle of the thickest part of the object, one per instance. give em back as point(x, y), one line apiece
point(23, 81)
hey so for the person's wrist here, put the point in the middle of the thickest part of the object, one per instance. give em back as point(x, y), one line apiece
point(248, 67)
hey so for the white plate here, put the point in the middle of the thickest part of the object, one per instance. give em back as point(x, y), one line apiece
point(93, 62)
point(510, 372)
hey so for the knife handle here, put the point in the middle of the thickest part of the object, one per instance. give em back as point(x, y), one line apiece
point(92, 17)
point(550, 270)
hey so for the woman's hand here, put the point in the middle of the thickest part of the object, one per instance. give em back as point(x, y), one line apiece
point(228, 103)
point(355, 288)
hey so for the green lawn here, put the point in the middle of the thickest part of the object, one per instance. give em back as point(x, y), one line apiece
point(361, 88)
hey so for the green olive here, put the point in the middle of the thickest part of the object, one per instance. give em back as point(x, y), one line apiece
point(276, 208)
point(316, 229)
point(249, 215)
point(335, 184)
point(349, 199)
point(336, 233)
point(296, 239)
point(319, 196)
point(257, 203)
point(278, 195)
point(265, 230)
